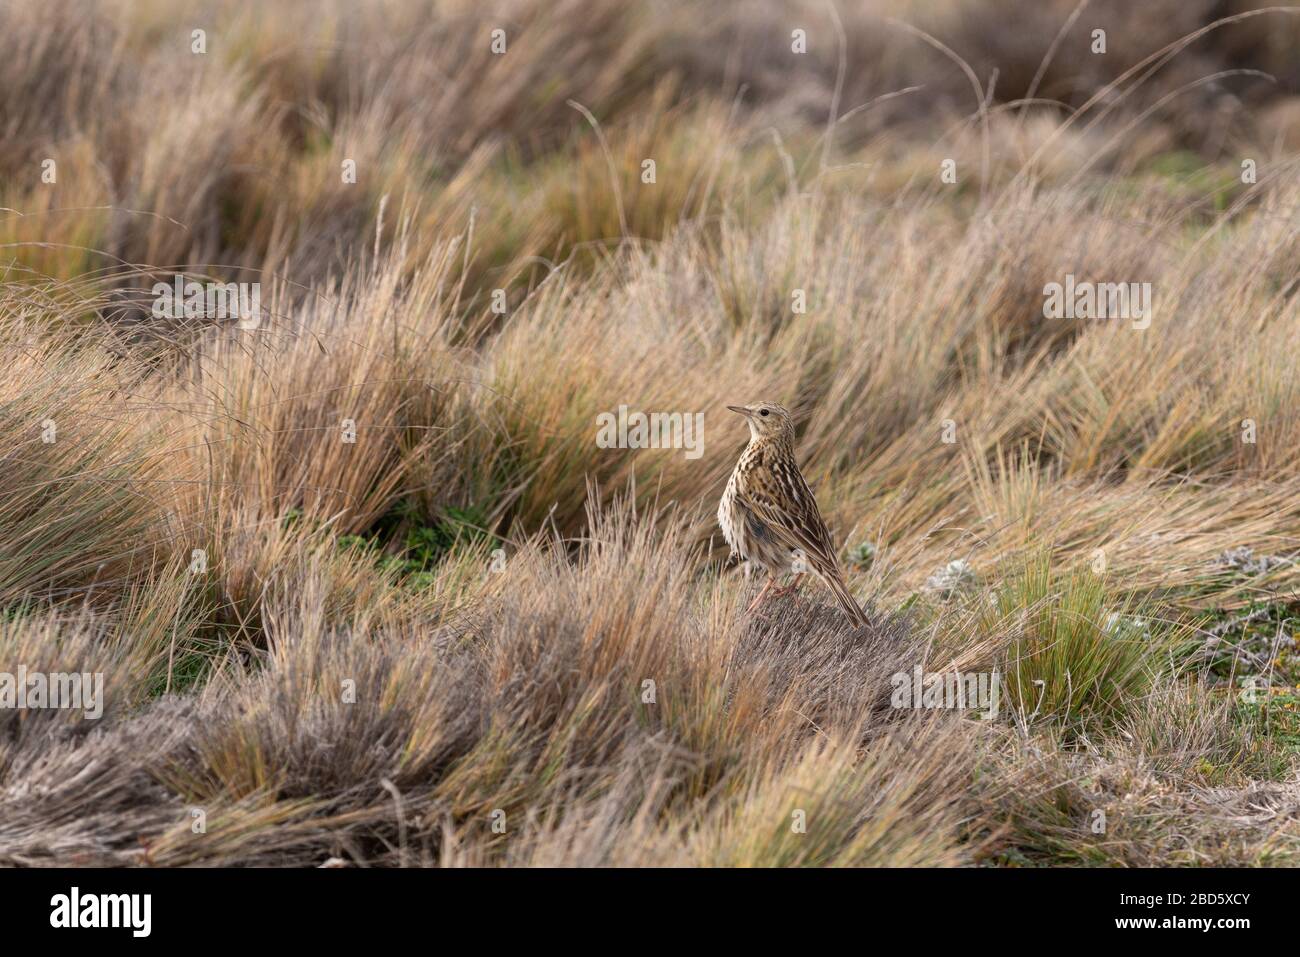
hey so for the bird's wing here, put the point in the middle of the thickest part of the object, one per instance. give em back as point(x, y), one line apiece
point(780, 498)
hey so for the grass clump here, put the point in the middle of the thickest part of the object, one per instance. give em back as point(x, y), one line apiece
point(364, 585)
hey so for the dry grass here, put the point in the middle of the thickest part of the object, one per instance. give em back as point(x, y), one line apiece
point(362, 583)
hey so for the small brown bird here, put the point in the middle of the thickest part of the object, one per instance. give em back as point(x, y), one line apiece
point(769, 516)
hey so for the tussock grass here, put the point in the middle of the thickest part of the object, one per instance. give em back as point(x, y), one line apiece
point(365, 589)
point(1108, 657)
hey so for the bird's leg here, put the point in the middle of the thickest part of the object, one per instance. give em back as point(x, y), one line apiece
point(793, 587)
point(794, 590)
point(761, 595)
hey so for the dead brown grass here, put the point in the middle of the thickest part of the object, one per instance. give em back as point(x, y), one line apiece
point(472, 636)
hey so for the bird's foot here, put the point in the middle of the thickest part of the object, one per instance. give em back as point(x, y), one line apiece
point(758, 599)
point(768, 589)
point(790, 589)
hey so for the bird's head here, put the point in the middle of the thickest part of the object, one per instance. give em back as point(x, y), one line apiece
point(767, 420)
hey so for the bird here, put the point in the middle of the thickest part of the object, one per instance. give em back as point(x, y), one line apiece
point(768, 513)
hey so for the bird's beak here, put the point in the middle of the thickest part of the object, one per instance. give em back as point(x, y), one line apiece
point(739, 408)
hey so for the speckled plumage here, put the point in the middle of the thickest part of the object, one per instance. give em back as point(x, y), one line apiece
point(768, 511)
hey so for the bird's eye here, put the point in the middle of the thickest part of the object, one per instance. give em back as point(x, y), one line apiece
point(762, 411)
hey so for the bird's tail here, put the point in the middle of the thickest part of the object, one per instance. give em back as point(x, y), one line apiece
point(835, 582)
